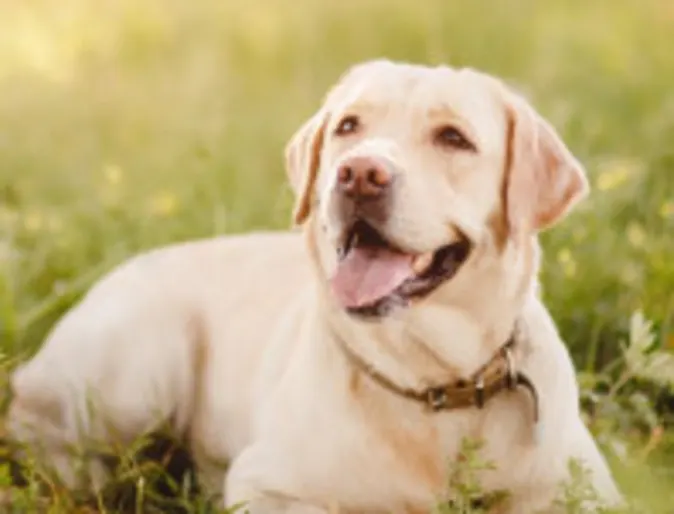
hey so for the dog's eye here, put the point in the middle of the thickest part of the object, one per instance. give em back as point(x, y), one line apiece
point(449, 136)
point(348, 125)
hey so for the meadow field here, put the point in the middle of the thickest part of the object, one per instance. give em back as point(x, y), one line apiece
point(129, 124)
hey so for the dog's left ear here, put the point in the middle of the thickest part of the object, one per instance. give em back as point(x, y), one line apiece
point(303, 160)
point(544, 180)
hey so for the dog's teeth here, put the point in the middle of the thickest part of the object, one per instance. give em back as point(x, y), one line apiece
point(422, 262)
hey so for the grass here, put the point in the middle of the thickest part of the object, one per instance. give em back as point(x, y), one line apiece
point(126, 125)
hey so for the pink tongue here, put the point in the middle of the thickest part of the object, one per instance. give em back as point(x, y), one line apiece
point(367, 274)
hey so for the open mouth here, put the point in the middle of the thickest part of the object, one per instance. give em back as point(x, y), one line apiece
point(373, 276)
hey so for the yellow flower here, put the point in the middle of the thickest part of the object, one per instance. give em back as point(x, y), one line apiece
point(636, 234)
point(611, 179)
point(113, 174)
point(567, 262)
point(667, 209)
point(33, 221)
point(164, 204)
point(616, 172)
point(564, 256)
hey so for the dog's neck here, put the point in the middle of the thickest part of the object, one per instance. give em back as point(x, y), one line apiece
point(438, 347)
point(447, 338)
point(431, 343)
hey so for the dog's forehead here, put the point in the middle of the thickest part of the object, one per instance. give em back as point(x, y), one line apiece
point(421, 90)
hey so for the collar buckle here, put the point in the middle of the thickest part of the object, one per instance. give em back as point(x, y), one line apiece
point(511, 372)
point(437, 398)
point(479, 391)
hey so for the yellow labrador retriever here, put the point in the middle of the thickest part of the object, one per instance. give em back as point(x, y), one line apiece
point(343, 366)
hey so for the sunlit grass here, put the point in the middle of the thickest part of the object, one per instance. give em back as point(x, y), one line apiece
point(130, 124)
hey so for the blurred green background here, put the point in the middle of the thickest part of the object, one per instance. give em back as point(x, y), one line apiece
point(129, 124)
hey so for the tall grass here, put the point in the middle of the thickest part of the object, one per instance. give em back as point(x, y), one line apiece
point(129, 124)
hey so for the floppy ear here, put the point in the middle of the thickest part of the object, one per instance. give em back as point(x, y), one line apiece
point(302, 156)
point(303, 152)
point(544, 180)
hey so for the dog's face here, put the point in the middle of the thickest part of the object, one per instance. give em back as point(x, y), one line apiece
point(410, 172)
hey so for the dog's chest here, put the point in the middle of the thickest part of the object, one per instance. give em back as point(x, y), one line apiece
point(413, 455)
point(392, 461)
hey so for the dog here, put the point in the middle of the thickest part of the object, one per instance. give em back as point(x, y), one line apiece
point(341, 365)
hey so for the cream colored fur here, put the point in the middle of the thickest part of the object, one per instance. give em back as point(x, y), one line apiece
point(235, 341)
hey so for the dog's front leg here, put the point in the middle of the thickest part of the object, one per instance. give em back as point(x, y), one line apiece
point(259, 482)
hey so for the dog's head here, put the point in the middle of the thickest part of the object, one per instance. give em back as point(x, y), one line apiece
point(416, 178)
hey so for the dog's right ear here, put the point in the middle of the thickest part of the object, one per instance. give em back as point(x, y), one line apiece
point(303, 160)
point(303, 152)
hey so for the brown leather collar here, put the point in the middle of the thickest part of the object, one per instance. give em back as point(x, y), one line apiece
point(497, 375)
